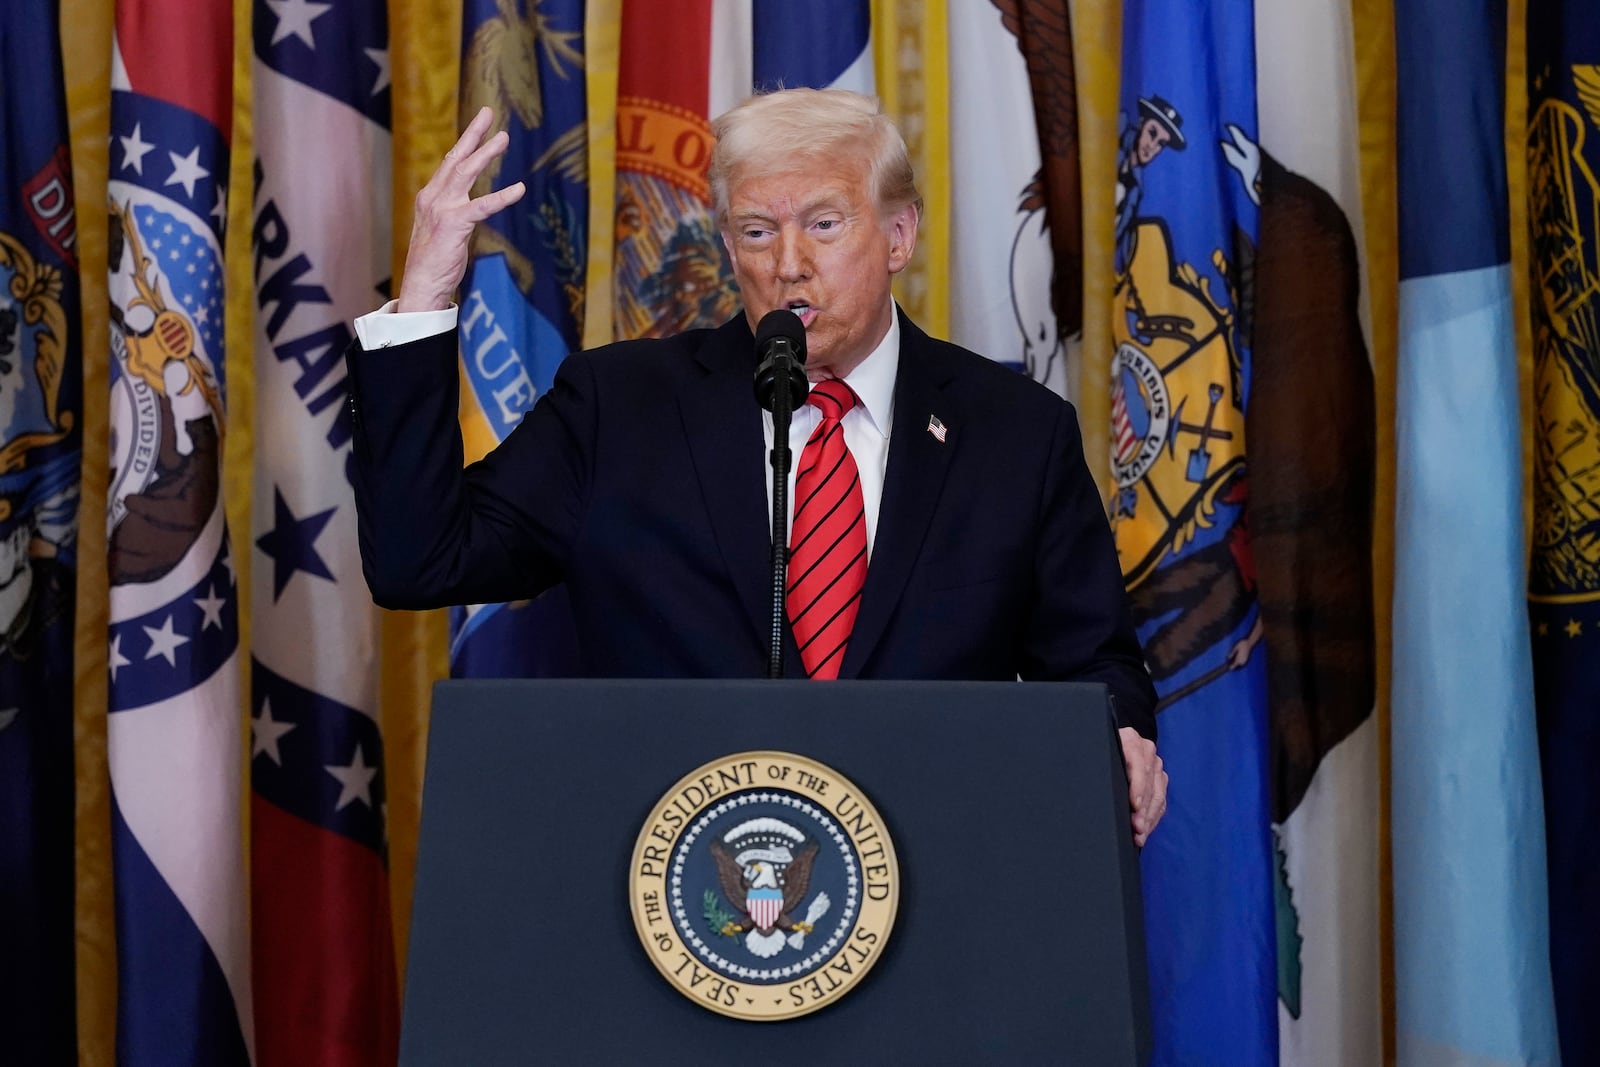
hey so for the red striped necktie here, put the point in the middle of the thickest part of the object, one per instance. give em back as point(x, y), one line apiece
point(828, 545)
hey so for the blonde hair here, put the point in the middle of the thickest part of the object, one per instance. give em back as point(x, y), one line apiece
point(778, 130)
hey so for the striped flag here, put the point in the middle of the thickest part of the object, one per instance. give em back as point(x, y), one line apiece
point(1311, 426)
point(1186, 228)
point(41, 442)
point(1002, 261)
point(322, 942)
point(825, 44)
point(522, 304)
point(1471, 958)
point(670, 271)
point(173, 738)
point(1564, 580)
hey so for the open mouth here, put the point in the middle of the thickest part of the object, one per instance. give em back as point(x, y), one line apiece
point(803, 309)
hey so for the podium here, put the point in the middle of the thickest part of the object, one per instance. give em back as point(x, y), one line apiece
point(1019, 931)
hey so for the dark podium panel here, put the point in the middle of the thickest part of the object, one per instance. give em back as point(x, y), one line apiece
point(1019, 936)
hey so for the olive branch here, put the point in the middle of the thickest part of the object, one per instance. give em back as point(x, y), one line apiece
point(715, 916)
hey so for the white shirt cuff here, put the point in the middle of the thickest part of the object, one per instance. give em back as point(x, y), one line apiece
point(386, 326)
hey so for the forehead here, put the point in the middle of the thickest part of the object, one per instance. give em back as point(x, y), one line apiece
point(808, 184)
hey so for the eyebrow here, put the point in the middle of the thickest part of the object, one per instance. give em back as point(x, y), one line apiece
point(830, 201)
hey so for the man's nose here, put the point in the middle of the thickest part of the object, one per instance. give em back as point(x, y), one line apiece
point(794, 257)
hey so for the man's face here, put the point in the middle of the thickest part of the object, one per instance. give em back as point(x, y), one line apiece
point(814, 242)
point(1153, 137)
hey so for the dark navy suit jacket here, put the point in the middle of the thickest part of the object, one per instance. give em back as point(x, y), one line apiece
point(639, 479)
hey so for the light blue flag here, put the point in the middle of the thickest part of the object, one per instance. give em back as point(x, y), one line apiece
point(1472, 970)
point(1185, 229)
point(522, 299)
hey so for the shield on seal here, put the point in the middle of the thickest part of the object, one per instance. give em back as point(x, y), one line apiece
point(1177, 408)
point(764, 906)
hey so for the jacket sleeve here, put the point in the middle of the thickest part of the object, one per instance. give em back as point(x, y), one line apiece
point(1080, 626)
point(434, 534)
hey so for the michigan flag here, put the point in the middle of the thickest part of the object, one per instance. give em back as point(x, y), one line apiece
point(322, 941)
point(41, 439)
point(173, 736)
point(522, 300)
point(1564, 579)
point(1186, 227)
point(1471, 962)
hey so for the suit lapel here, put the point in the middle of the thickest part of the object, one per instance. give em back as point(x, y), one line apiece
point(723, 426)
point(915, 476)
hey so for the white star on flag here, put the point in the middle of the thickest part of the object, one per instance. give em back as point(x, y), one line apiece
point(355, 781)
point(295, 17)
point(164, 642)
point(210, 606)
point(134, 149)
point(265, 732)
point(117, 658)
point(186, 170)
point(380, 56)
point(219, 211)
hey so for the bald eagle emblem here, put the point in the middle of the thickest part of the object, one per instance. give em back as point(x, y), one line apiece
point(764, 867)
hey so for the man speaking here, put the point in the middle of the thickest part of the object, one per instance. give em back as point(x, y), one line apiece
point(944, 525)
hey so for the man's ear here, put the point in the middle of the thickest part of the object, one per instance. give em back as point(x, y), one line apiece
point(902, 231)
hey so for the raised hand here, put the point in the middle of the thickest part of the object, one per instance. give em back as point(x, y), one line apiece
point(441, 231)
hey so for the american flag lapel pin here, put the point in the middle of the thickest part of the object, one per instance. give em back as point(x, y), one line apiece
point(936, 428)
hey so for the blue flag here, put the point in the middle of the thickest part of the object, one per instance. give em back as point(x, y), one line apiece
point(1564, 580)
point(1186, 228)
point(522, 299)
point(41, 412)
point(824, 44)
point(1471, 966)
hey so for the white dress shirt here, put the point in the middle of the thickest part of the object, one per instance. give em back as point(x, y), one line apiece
point(866, 426)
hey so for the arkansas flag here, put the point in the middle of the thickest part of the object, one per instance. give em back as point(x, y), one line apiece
point(323, 943)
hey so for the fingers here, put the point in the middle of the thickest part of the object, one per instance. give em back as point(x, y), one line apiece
point(486, 205)
point(466, 159)
point(1147, 783)
point(446, 213)
point(472, 136)
point(466, 171)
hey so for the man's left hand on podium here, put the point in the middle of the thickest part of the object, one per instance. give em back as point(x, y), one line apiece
point(1147, 783)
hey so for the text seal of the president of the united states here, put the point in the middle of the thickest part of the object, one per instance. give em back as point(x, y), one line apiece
point(764, 885)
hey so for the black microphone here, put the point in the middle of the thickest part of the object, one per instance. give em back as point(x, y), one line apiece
point(781, 348)
point(780, 385)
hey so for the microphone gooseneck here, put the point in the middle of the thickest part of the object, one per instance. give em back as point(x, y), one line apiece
point(780, 384)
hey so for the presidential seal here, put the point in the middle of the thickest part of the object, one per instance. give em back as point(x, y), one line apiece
point(764, 885)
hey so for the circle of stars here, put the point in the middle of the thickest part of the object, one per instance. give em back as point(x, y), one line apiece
point(770, 974)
